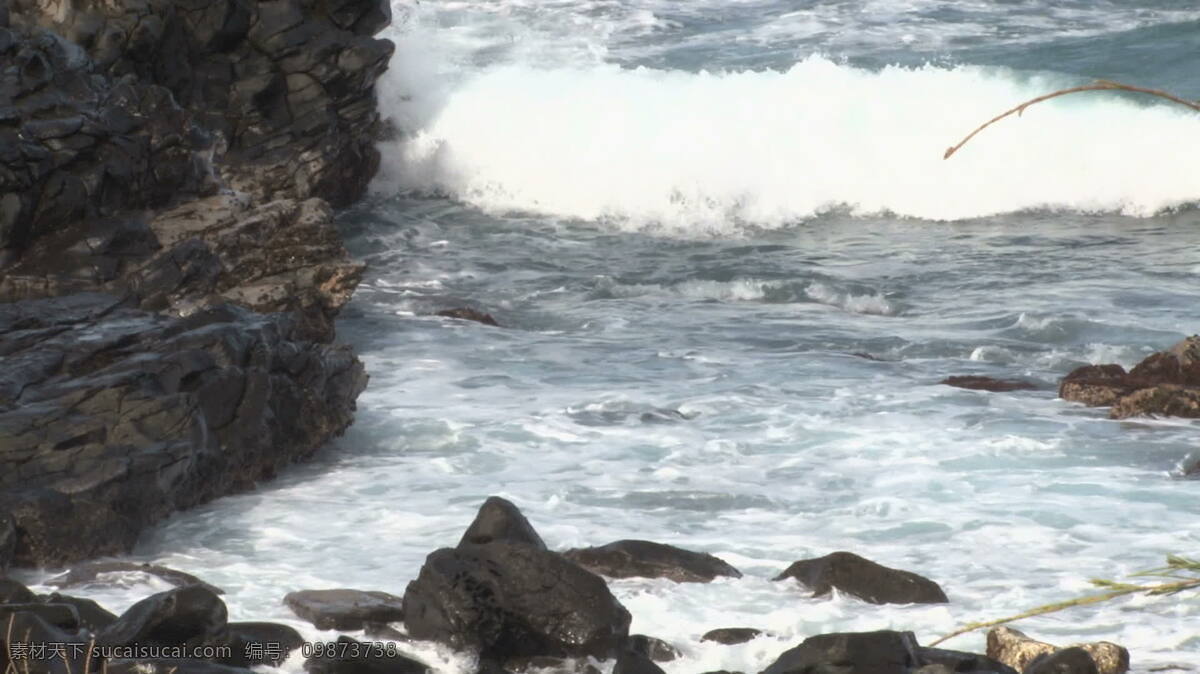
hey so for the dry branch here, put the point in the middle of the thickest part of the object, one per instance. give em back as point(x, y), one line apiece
point(1098, 85)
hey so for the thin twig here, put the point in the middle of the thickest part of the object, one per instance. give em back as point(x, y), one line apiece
point(1098, 85)
point(1165, 588)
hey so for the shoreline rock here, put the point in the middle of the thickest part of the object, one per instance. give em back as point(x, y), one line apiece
point(171, 339)
point(865, 579)
point(1166, 383)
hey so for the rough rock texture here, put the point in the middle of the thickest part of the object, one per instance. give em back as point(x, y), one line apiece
point(633, 662)
point(1166, 383)
point(979, 383)
point(652, 647)
point(112, 417)
point(731, 635)
point(514, 600)
point(1017, 650)
point(285, 87)
point(500, 520)
point(92, 616)
point(883, 652)
point(864, 579)
point(90, 572)
point(633, 558)
point(958, 661)
point(180, 157)
point(191, 616)
point(1065, 661)
point(345, 609)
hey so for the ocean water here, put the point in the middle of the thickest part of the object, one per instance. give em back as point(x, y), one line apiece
point(692, 220)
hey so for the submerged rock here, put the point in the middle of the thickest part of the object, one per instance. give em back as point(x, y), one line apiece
point(653, 648)
point(883, 652)
point(509, 600)
point(867, 580)
point(633, 662)
point(87, 573)
point(646, 559)
point(499, 520)
point(731, 635)
point(1017, 650)
point(1065, 661)
point(1166, 383)
point(466, 314)
point(345, 609)
point(980, 383)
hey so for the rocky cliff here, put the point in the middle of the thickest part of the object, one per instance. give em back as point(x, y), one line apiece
point(168, 260)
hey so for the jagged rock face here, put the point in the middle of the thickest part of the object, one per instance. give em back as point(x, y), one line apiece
point(509, 600)
point(111, 417)
point(77, 145)
point(288, 85)
point(1166, 383)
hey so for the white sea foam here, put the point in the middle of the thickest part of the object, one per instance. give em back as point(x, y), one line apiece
point(704, 152)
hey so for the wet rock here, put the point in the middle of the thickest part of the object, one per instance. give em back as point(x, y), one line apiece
point(544, 663)
point(92, 616)
point(373, 630)
point(12, 592)
point(112, 417)
point(1166, 383)
point(1096, 385)
point(1017, 650)
point(34, 630)
point(1065, 661)
point(8, 541)
point(189, 616)
point(862, 578)
point(261, 643)
point(466, 314)
point(633, 662)
point(645, 559)
point(883, 652)
point(500, 520)
point(89, 572)
point(958, 661)
point(979, 383)
point(1166, 400)
point(509, 600)
point(653, 648)
point(345, 609)
point(62, 616)
point(731, 635)
point(347, 656)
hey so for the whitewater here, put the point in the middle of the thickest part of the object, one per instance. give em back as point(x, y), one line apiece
point(693, 221)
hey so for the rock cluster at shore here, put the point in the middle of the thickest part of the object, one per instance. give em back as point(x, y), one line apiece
point(503, 596)
point(1166, 383)
point(168, 255)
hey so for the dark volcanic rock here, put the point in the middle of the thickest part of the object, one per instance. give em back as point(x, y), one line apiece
point(260, 643)
point(979, 383)
point(111, 418)
point(731, 635)
point(12, 592)
point(92, 616)
point(1065, 661)
point(1166, 383)
point(864, 579)
point(633, 662)
point(8, 541)
point(653, 648)
point(511, 600)
point(347, 656)
point(287, 87)
point(539, 663)
point(500, 520)
point(469, 315)
point(345, 609)
point(189, 616)
point(645, 559)
point(883, 652)
point(62, 616)
point(89, 572)
point(958, 661)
